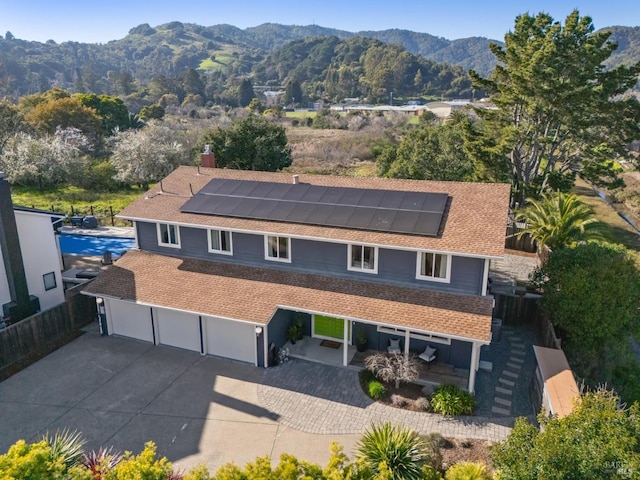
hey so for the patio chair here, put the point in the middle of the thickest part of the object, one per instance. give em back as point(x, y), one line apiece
point(429, 355)
point(394, 346)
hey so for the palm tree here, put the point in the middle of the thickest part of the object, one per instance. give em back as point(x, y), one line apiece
point(397, 451)
point(558, 220)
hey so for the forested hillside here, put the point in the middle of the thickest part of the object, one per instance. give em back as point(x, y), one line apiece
point(326, 59)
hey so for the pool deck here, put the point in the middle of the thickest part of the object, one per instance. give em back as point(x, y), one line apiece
point(121, 232)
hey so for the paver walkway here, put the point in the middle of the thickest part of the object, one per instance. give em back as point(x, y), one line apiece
point(322, 399)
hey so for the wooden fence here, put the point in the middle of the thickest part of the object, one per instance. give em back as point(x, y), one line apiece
point(525, 311)
point(523, 243)
point(30, 339)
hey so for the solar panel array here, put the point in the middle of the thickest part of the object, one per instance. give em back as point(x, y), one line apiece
point(395, 211)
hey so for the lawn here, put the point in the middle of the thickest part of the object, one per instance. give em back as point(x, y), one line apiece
point(301, 114)
point(616, 229)
point(76, 201)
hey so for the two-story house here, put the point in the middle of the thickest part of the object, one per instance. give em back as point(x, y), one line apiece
point(30, 260)
point(226, 258)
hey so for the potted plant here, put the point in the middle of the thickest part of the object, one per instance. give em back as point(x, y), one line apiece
point(361, 340)
point(292, 333)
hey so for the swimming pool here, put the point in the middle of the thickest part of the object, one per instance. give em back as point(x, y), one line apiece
point(94, 245)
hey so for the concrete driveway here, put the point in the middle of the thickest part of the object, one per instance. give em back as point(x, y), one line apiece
point(123, 393)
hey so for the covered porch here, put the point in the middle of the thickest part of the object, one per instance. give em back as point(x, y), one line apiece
point(336, 341)
point(332, 353)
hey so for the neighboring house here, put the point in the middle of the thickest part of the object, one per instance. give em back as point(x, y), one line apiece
point(30, 266)
point(225, 258)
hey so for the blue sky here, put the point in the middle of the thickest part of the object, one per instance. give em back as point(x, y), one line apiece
point(100, 21)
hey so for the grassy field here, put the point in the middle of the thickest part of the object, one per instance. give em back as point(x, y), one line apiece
point(76, 201)
point(301, 114)
point(616, 229)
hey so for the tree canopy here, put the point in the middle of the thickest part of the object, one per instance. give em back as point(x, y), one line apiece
point(598, 440)
point(253, 143)
point(431, 152)
point(557, 104)
point(592, 293)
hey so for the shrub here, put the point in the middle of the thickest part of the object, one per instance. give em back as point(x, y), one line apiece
point(468, 471)
point(433, 442)
point(376, 390)
point(395, 450)
point(398, 400)
point(423, 403)
point(452, 400)
point(366, 376)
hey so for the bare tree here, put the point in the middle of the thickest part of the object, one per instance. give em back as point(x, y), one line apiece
point(393, 368)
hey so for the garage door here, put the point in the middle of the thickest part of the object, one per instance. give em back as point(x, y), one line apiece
point(178, 329)
point(225, 338)
point(130, 320)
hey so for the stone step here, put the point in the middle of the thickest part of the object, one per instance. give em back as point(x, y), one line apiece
point(502, 401)
point(514, 366)
point(520, 353)
point(516, 338)
point(504, 391)
point(516, 359)
point(507, 373)
point(517, 345)
point(506, 382)
point(501, 411)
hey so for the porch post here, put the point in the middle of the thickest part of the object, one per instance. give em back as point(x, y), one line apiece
point(345, 343)
point(407, 339)
point(473, 368)
point(485, 277)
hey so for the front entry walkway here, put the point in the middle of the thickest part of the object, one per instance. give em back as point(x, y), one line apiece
point(327, 400)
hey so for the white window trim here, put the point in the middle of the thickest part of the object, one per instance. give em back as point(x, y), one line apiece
point(400, 332)
point(446, 279)
point(351, 268)
point(209, 242)
point(169, 245)
point(277, 259)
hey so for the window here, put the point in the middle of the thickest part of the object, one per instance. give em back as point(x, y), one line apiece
point(277, 248)
point(220, 242)
point(433, 266)
point(362, 258)
point(417, 335)
point(168, 235)
point(49, 280)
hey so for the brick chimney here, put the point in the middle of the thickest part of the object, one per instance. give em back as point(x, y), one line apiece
point(20, 306)
point(207, 158)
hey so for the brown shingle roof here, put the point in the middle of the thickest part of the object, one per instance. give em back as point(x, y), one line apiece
point(475, 223)
point(253, 294)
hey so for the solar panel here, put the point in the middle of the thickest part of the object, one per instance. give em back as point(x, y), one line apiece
point(357, 208)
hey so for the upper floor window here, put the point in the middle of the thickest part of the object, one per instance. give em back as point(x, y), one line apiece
point(363, 258)
point(168, 235)
point(277, 248)
point(433, 266)
point(220, 242)
point(49, 280)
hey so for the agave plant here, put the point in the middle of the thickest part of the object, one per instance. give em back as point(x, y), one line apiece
point(66, 446)
point(100, 463)
point(399, 450)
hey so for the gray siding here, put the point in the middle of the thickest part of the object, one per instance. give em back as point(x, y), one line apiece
point(394, 266)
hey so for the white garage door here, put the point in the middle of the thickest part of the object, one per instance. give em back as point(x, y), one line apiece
point(130, 320)
point(178, 329)
point(230, 339)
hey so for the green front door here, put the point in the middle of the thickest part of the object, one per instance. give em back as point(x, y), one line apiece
point(330, 327)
